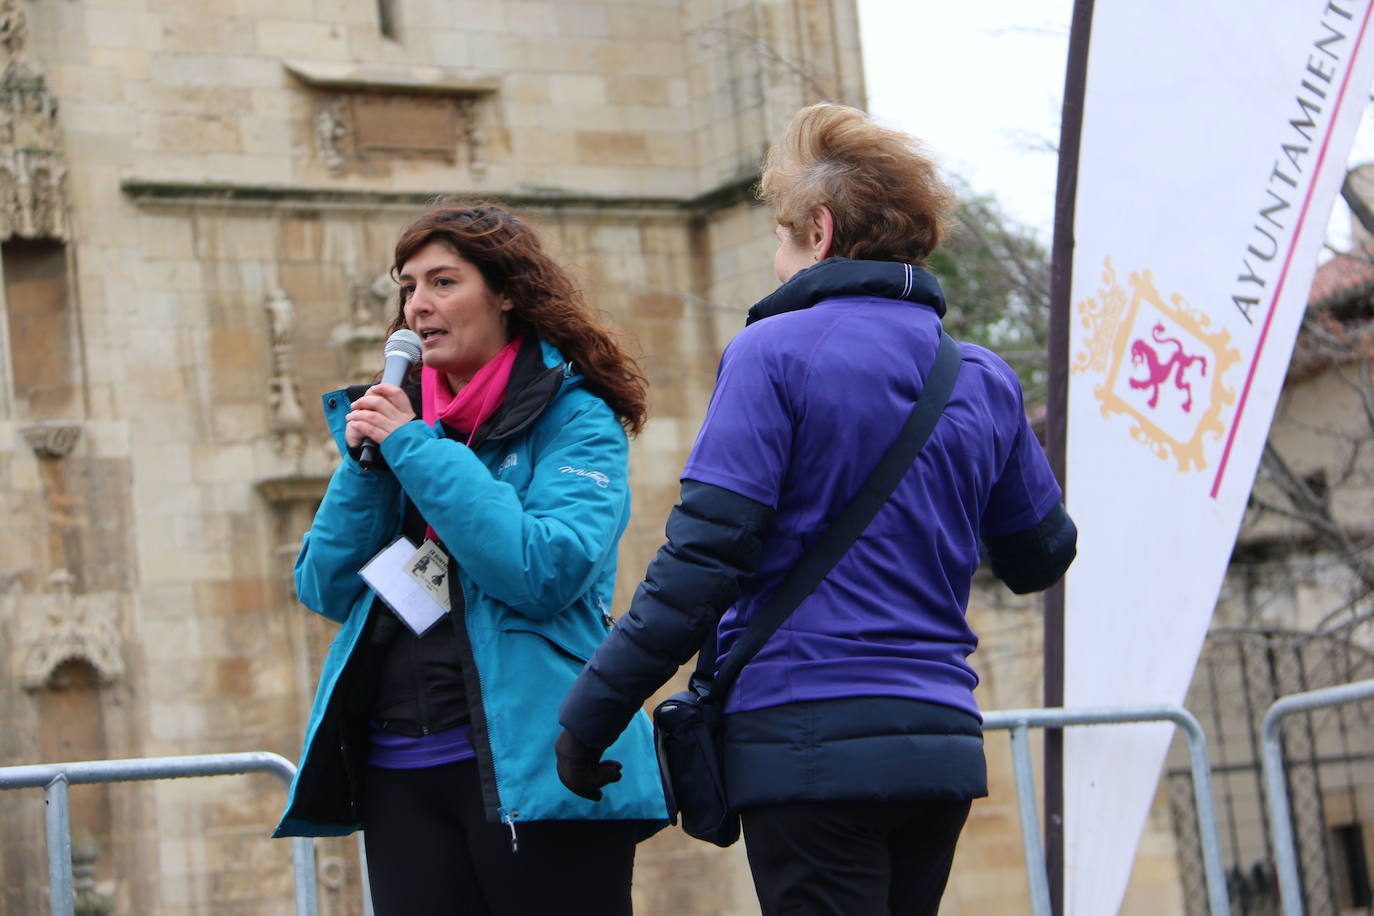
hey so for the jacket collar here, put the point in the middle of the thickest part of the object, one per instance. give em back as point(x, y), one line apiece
point(533, 385)
point(532, 388)
point(843, 277)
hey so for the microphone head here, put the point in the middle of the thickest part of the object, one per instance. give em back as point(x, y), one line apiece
point(404, 342)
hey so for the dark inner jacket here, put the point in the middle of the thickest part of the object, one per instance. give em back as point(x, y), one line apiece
point(865, 749)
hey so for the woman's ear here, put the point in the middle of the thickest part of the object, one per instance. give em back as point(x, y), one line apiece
point(821, 233)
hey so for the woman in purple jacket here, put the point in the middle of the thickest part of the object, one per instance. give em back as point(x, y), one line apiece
point(853, 744)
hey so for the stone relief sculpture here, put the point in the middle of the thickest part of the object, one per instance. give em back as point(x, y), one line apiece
point(360, 340)
point(56, 625)
point(14, 28)
point(287, 417)
point(52, 438)
point(473, 137)
point(281, 322)
point(33, 171)
point(302, 457)
point(88, 898)
point(330, 131)
point(305, 453)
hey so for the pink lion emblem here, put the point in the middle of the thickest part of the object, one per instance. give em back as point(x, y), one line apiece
point(1158, 372)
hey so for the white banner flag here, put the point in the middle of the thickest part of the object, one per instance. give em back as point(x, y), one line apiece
point(1214, 141)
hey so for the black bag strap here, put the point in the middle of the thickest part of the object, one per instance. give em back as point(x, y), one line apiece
point(820, 558)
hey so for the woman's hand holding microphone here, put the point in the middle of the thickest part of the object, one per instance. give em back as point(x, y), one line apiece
point(377, 414)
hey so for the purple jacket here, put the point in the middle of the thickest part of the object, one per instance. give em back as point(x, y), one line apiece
point(806, 403)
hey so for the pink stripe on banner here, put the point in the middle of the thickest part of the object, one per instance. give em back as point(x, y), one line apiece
point(1288, 261)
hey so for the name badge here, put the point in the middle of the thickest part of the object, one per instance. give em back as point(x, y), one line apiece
point(413, 583)
point(429, 568)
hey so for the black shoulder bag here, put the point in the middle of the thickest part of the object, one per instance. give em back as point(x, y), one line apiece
point(687, 725)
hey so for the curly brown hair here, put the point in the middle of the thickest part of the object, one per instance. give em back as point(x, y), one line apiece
point(885, 193)
point(545, 301)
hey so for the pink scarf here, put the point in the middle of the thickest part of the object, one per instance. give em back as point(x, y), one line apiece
point(471, 407)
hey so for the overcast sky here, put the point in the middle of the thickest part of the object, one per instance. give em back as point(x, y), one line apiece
point(982, 84)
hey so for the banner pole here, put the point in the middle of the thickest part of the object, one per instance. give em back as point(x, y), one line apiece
point(1056, 421)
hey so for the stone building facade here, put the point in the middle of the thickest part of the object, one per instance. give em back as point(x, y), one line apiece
point(197, 207)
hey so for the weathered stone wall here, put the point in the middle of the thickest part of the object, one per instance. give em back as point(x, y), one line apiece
point(215, 188)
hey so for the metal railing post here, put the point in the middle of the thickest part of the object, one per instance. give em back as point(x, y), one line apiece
point(365, 879)
point(1280, 814)
point(1036, 872)
point(57, 816)
point(1209, 836)
point(303, 866)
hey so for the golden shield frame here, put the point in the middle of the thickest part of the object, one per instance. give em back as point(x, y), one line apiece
point(1109, 319)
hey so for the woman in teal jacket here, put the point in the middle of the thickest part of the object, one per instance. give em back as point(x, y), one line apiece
point(507, 463)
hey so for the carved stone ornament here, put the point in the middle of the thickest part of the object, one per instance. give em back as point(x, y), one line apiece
point(293, 499)
point(332, 871)
point(288, 418)
point(14, 28)
point(52, 439)
point(362, 338)
point(56, 626)
point(33, 171)
point(85, 854)
point(330, 131)
point(473, 137)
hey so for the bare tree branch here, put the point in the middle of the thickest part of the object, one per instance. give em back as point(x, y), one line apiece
point(1315, 512)
point(749, 43)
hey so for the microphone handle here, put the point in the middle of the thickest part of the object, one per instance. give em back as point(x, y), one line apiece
point(393, 373)
point(369, 455)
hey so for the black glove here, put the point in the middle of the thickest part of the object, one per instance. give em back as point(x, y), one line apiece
point(581, 769)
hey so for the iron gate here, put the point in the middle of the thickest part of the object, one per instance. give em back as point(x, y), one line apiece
point(1329, 762)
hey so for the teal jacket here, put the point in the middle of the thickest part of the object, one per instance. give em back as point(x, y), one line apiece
point(531, 515)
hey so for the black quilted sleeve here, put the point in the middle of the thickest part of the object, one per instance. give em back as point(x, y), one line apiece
point(714, 539)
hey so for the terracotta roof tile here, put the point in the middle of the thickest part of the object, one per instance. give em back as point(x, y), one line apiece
point(1342, 276)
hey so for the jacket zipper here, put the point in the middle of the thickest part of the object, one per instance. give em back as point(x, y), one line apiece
point(477, 732)
point(508, 818)
point(350, 775)
point(488, 778)
point(417, 669)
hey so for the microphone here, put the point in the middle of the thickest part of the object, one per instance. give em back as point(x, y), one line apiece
point(401, 352)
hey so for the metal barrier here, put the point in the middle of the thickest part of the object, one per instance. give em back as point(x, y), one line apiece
point(54, 778)
point(1019, 721)
point(1276, 785)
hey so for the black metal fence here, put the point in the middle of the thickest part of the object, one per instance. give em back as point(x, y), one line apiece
point(1329, 764)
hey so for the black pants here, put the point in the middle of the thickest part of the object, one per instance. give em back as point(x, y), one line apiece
point(432, 852)
point(852, 858)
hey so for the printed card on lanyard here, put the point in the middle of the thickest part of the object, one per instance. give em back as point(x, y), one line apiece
point(413, 583)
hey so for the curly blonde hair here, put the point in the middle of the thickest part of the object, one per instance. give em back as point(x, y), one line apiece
point(886, 195)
